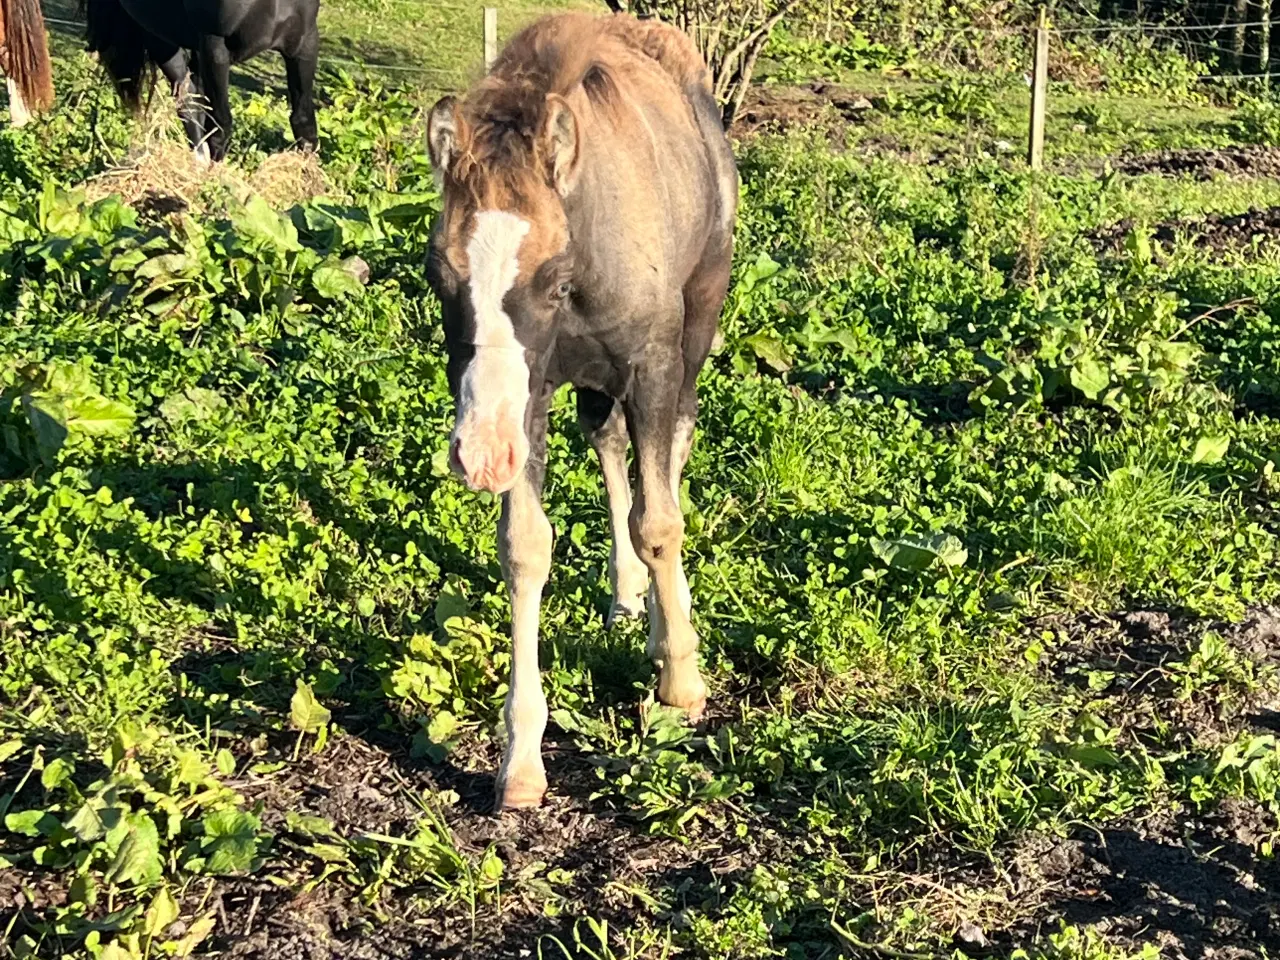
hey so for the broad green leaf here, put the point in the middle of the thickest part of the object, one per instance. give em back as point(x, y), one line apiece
point(450, 604)
point(9, 748)
point(31, 823)
point(162, 912)
point(84, 889)
point(99, 416)
point(190, 769)
point(1210, 449)
point(95, 818)
point(1138, 245)
point(257, 221)
point(918, 553)
point(1089, 377)
point(194, 937)
point(333, 282)
point(193, 403)
point(763, 268)
point(48, 421)
point(231, 841)
point(68, 404)
point(306, 713)
point(57, 772)
point(138, 858)
point(443, 725)
point(365, 606)
point(165, 265)
point(226, 762)
point(309, 825)
point(1094, 756)
point(491, 866)
point(776, 354)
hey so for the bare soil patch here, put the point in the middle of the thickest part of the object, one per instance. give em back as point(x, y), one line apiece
point(1203, 163)
point(776, 109)
point(1130, 661)
point(373, 785)
point(1216, 232)
point(1193, 885)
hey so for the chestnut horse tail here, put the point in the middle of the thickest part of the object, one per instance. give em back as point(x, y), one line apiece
point(26, 60)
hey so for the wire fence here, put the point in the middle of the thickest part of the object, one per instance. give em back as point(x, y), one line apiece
point(351, 63)
point(1102, 29)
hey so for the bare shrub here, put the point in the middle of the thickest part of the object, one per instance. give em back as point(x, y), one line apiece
point(730, 34)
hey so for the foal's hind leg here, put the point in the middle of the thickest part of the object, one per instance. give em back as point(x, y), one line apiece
point(605, 426)
point(681, 445)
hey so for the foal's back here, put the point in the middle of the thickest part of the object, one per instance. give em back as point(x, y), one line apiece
point(658, 175)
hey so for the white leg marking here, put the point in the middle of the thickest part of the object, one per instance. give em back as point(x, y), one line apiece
point(680, 447)
point(19, 115)
point(525, 548)
point(628, 576)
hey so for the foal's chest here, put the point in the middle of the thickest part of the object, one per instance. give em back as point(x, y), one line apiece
point(588, 362)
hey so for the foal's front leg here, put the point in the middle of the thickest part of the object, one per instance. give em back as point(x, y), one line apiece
point(524, 547)
point(657, 532)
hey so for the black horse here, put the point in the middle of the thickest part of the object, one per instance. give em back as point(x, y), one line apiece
point(194, 43)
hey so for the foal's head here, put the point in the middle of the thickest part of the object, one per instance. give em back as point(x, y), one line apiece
point(501, 263)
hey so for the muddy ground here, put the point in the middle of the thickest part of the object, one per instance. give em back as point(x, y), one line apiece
point(776, 109)
point(1189, 881)
point(1217, 232)
point(1202, 163)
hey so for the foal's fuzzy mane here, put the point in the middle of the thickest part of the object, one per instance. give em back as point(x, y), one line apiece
point(502, 118)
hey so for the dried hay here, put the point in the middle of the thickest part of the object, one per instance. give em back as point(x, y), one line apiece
point(161, 174)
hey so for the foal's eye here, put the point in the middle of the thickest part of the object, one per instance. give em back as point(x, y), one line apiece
point(562, 291)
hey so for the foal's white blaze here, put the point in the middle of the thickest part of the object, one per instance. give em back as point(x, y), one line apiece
point(489, 443)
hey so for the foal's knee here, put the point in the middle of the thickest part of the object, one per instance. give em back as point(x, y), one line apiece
point(657, 531)
point(524, 546)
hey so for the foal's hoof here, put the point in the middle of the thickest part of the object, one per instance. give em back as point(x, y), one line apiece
point(683, 691)
point(520, 794)
point(625, 608)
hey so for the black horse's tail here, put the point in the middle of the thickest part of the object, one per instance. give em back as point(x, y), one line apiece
point(27, 58)
point(122, 48)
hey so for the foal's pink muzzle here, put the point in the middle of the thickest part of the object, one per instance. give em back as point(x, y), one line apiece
point(489, 455)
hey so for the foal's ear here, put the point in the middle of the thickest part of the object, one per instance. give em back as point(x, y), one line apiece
point(560, 137)
point(442, 134)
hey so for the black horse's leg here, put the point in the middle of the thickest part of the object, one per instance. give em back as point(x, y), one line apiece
point(300, 68)
point(214, 61)
point(186, 92)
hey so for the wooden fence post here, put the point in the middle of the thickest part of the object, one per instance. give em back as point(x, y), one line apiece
point(490, 37)
point(1039, 89)
point(1264, 40)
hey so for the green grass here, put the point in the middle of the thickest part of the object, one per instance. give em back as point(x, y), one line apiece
point(974, 514)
